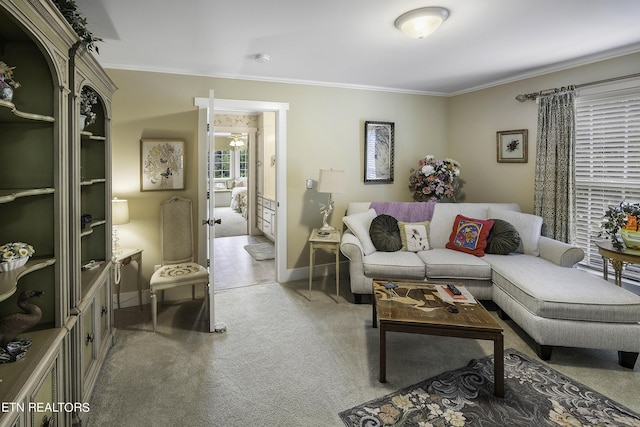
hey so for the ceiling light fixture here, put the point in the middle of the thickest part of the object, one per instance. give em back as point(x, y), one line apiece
point(237, 141)
point(419, 23)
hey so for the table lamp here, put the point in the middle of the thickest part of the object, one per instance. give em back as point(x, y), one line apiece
point(330, 181)
point(119, 216)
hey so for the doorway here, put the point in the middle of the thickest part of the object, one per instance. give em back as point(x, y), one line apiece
point(276, 271)
point(233, 203)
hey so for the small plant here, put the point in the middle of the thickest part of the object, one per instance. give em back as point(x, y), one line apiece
point(624, 216)
point(88, 98)
point(78, 22)
point(6, 74)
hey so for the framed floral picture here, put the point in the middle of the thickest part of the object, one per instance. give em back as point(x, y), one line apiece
point(378, 152)
point(512, 146)
point(162, 164)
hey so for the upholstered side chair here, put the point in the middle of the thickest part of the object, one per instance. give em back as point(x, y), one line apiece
point(176, 240)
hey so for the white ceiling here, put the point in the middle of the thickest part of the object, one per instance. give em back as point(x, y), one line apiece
point(354, 43)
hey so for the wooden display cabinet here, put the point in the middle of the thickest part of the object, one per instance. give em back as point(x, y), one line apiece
point(43, 156)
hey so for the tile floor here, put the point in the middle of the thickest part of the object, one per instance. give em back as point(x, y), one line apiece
point(234, 267)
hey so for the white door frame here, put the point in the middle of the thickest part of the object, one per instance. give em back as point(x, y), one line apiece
point(242, 106)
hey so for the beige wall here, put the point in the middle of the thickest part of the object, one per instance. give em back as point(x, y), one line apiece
point(474, 119)
point(325, 130)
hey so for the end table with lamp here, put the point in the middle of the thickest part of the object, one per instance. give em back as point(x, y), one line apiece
point(122, 257)
point(328, 241)
point(327, 237)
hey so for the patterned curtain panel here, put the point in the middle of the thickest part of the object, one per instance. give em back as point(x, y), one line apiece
point(554, 197)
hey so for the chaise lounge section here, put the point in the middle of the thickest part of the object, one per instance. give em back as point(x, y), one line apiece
point(537, 286)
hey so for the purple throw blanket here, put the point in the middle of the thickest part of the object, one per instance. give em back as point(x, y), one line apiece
point(405, 211)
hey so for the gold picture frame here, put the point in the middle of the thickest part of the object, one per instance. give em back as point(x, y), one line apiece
point(512, 146)
point(162, 164)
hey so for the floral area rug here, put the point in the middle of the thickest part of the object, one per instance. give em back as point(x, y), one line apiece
point(535, 395)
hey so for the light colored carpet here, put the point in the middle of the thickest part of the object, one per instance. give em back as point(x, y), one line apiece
point(287, 361)
point(233, 223)
point(261, 251)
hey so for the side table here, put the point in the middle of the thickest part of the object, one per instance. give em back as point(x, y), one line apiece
point(617, 258)
point(122, 257)
point(330, 243)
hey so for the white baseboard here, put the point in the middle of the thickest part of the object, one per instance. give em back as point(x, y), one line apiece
point(130, 299)
point(318, 271)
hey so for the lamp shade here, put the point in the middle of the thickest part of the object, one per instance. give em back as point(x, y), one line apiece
point(119, 211)
point(331, 181)
point(419, 23)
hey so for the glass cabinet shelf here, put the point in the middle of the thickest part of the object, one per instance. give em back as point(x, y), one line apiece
point(9, 113)
point(9, 279)
point(89, 228)
point(84, 135)
point(9, 195)
point(93, 181)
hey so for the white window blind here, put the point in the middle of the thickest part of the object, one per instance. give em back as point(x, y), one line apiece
point(607, 164)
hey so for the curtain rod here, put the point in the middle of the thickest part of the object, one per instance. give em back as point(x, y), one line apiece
point(534, 95)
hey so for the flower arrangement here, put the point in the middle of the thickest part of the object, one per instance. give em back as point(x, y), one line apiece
point(624, 217)
point(88, 98)
point(6, 75)
point(6, 82)
point(435, 180)
point(14, 251)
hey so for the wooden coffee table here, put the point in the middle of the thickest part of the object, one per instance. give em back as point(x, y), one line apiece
point(417, 308)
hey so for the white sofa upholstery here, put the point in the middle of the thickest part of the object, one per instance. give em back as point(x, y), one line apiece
point(557, 305)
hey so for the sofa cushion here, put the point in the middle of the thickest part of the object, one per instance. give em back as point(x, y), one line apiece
point(444, 215)
point(359, 224)
point(385, 234)
point(450, 264)
point(469, 235)
point(398, 265)
point(528, 226)
point(550, 291)
point(414, 236)
point(502, 239)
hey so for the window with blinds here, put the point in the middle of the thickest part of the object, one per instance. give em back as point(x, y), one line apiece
point(607, 165)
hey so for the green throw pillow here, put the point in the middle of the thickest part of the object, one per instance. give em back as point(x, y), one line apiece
point(385, 234)
point(503, 238)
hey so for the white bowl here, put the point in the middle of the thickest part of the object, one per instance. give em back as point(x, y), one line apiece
point(13, 264)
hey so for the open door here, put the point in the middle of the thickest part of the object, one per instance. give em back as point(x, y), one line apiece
point(210, 222)
point(206, 110)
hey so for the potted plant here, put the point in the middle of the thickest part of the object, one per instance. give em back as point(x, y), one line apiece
point(624, 218)
point(7, 84)
point(14, 255)
point(88, 98)
point(78, 22)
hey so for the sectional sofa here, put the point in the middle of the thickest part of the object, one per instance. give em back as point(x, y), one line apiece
point(536, 285)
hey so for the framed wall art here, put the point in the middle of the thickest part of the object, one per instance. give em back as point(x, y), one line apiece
point(512, 146)
point(378, 152)
point(161, 164)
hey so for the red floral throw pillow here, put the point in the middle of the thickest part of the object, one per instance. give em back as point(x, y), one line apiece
point(469, 235)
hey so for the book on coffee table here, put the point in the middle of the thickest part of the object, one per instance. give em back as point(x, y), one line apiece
point(446, 295)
